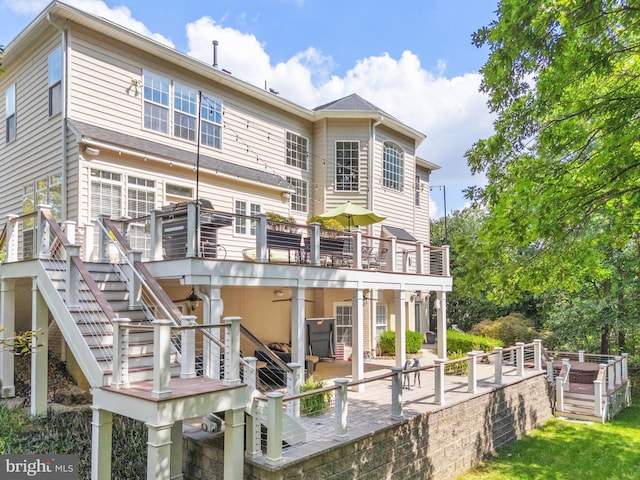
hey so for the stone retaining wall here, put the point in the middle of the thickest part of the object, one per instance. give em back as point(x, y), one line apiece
point(438, 445)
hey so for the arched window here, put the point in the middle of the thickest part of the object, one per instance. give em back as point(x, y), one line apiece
point(393, 167)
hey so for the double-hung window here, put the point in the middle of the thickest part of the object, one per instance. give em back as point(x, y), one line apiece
point(10, 113)
point(244, 225)
point(141, 200)
point(211, 121)
point(381, 321)
point(393, 167)
point(344, 330)
point(347, 165)
point(55, 82)
point(106, 194)
point(299, 197)
point(156, 102)
point(297, 151)
point(185, 109)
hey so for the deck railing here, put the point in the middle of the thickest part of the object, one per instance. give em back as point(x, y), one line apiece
point(382, 402)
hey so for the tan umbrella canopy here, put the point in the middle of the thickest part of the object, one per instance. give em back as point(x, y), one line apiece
point(350, 215)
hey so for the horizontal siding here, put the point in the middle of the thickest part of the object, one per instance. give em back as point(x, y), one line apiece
point(36, 152)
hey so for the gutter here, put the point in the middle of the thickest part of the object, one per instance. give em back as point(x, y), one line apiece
point(372, 152)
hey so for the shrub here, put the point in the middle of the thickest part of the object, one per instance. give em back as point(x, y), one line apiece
point(413, 342)
point(278, 222)
point(510, 329)
point(316, 403)
point(460, 368)
point(465, 342)
point(328, 224)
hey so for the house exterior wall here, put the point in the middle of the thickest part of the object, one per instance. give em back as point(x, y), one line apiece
point(36, 152)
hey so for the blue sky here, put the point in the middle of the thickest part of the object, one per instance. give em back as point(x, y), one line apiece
point(414, 59)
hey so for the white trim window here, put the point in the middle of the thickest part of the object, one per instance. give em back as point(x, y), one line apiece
point(347, 166)
point(344, 321)
point(211, 122)
point(106, 194)
point(393, 167)
point(141, 200)
point(55, 82)
point(299, 198)
point(381, 321)
point(46, 190)
point(177, 193)
point(156, 102)
point(297, 151)
point(243, 225)
point(10, 113)
point(185, 109)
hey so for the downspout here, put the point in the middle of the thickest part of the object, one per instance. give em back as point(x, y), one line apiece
point(63, 129)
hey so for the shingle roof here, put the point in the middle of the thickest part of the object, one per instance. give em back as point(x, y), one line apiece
point(351, 102)
point(399, 233)
point(117, 139)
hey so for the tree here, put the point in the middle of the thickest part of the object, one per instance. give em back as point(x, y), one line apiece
point(562, 167)
point(562, 77)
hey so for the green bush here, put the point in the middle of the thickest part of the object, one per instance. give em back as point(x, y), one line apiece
point(460, 368)
point(413, 342)
point(510, 329)
point(465, 342)
point(316, 403)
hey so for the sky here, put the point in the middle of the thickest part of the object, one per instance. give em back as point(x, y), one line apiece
point(413, 59)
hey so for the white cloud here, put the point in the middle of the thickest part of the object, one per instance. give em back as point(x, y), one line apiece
point(120, 14)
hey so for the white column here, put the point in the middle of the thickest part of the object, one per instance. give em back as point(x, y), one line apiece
point(396, 394)
point(120, 376)
point(234, 443)
point(101, 440)
point(294, 380)
point(176, 451)
point(618, 360)
point(274, 429)
point(342, 409)
point(472, 376)
point(155, 228)
point(497, 359)
point(439, 381)
point(298, 347)
point(520, 359)
point(7, 327)
point(400, 327)
point(232, 351)
point(261, 238)
point(213, 309)
point(159, 451)
point(188, 339)
point(357, 336)
point(161, 359)
point(441, 314)
point(39, 352)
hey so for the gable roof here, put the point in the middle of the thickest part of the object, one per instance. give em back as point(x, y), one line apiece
point(350, 102)
point(109, 139)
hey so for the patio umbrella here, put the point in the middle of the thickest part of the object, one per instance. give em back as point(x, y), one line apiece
point(350, 215)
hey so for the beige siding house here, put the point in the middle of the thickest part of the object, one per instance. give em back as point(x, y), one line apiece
point(117, 136)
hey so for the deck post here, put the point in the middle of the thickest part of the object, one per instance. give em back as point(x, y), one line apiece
point(618, 360)
point(120, 376)
point(155, 234)
point(497, 363)
point(597, 398)
point(396, 394)
point(250, 373)
point(69, 229)
point(161, 358)
point(439, 381)
point(520, 359)
point(611, 374)
point(537, 355)
point(420, 270)
point(472, 375)
point(7, 327)
point(12, 238)
point(274, 428)
point(625, 366)
point(234, 443)
point(314, 244)
point(43, 234)
point(559, 394)
point(550, 370)
point(391, 254)
point(39, 351)
point(101, 440)
point(567, 365)
point(445, 260)
point(357, 250)
point(232, 351)
point(89, 249)
point(193, 228)
point(293, 388)
point(261, 238)
point(253, 432)
point(188, 339)
point(581, 355)
point(159, 451)
point(342, 409)
point(135, 285)
point(103, 239)
point(73, 276)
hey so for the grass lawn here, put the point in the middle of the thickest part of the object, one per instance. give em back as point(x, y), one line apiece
point(571, 450)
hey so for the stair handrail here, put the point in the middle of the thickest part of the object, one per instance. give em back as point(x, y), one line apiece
point(599, 392)
point(265, 349)
point(147, 280)
point(562, 382)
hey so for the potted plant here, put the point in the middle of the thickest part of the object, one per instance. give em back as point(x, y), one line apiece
point(329, 227)
point(280, 223)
